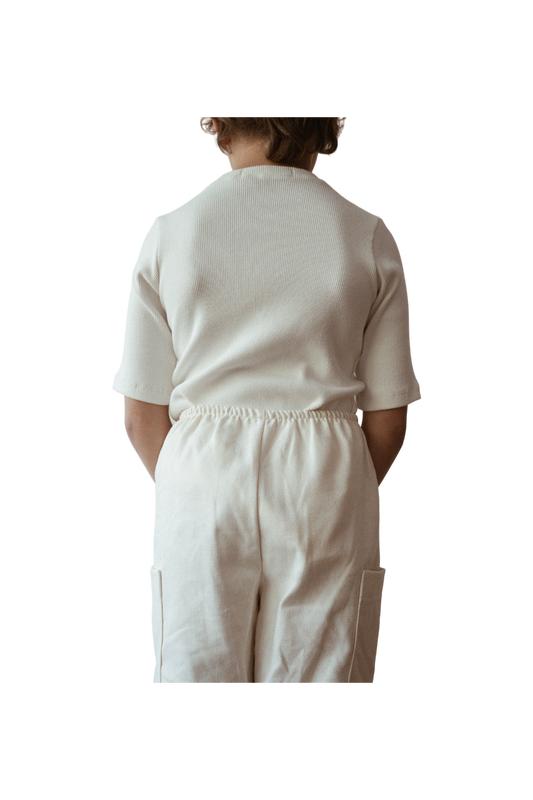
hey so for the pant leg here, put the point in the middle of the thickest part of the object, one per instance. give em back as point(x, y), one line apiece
point(207, 561)
point(321, 581)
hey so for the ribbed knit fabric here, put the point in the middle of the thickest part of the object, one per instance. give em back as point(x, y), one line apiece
point(268, 290)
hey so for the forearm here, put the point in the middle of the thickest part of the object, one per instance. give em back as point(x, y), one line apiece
point(147, 439)
point(384, 447)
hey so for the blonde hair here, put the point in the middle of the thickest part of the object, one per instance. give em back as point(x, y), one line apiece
point(289, 137)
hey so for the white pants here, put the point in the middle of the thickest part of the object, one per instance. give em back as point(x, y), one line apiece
point(266, 549)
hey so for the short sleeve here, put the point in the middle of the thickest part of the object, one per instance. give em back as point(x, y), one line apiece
point(148, 358)
point(385, 365)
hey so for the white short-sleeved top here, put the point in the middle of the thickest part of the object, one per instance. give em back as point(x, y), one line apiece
point(268, 290)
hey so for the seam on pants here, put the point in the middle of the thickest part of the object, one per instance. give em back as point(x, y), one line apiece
point(162, 628)
point(258, 535)
point(356, 625)
point(257, 499)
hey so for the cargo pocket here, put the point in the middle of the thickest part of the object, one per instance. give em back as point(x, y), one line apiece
point(367, 626)
point(157, 621)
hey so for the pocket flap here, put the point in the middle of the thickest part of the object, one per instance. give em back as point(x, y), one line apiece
point(157, 620)
point(367, 626)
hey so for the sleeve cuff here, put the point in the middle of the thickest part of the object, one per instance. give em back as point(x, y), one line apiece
point(380, 402)
point(147, 394)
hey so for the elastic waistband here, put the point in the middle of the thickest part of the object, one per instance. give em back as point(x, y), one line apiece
point(268, 414)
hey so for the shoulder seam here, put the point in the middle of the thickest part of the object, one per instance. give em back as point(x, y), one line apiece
point(376, 269)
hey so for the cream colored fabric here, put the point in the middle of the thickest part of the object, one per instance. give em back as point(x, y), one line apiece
point(264, 312)
point(268, 290)
point(266, 549)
